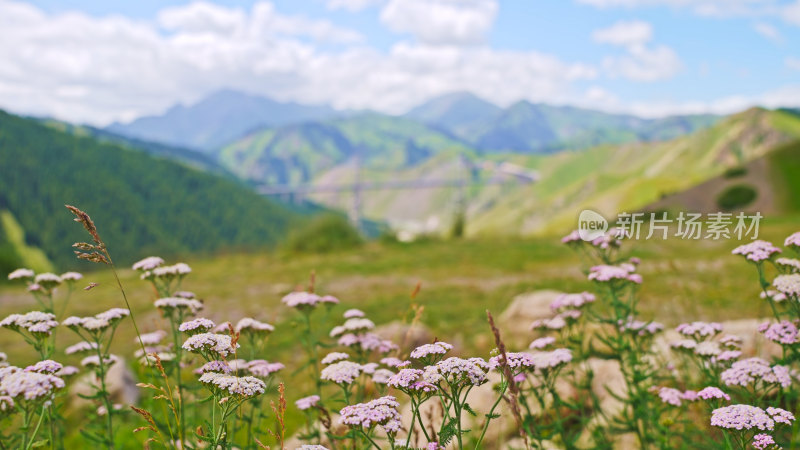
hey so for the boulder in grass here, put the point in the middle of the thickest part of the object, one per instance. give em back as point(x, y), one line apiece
point(515, 321)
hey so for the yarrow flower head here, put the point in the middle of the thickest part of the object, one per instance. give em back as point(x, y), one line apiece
point(47, 280)
point(21, 274)
point(461, 371)
point(742, 417)
point(791, 264)
point(307, 402)
point(623, 272)
point(793, 240)
point(35, 322)
point(212, 343)
point(542, 342)
point(411, 381)
point(712, 392)
point(436, 350)
point(71, 276)
point(382, 376)
point(241, 387)
point(355, 325)
point(381, 411)
point(394, 362)
point(218, 366)
point(574, 237)
point(780, 415)
point(751, 371)
point(763, 441)
point(699, 330)
point(99, 322)
point(756, 251)
point(554, 323)
point(262, 368)
point(788, 285)
point(302, 300)
point(333, 357)
point(639, 327)
point(670, 396)
point(342, 372)
point(152, 338)
point(81, 347)
point(149, 263)
point(198, 325)
point(571, 301)
point(169, 304)
point(253, 326)
point(45, 366)
point(28, 386)
point(351, 313)
point(783, 332)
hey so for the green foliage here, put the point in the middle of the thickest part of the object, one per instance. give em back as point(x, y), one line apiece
point(141, 204)
point(785, 163)
point(14, 253)
point(323, 234)
point(735, 172)
point(736, 196)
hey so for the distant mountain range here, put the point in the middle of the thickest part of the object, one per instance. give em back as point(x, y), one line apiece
point(226, 116)
point(218, 119)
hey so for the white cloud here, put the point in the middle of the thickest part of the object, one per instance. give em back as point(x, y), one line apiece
point(644, 64)
point(98, 69)
point(768, 31)
point(792, 63)
point(624, 33)
point(351, 5)
point(641, 62)
point(441, 21)
point(791, 13)
point(715, 8)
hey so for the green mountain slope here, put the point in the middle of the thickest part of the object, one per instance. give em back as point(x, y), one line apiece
point(141, 204)
point(301, 153)
point(611, 179)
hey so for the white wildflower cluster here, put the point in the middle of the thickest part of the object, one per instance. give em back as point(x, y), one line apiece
point(354, 325)
point(170, 304)
point(37, 323)
point(21, 274)
point(333, 357)
point(45, 366)
point(788, 285)
point(152, 338)
point(436, 350)
point(381, 411)
point(262, 368)
point(459, 371)
point(307, 300)
point(250, 325)
point(242, 387)
point(99, 322)
point(27, 386)
point(210, 343)
point(81, 347)
point(47, 280)
point(71, 276)
point(342, 372)
point(147, 264)
point(198, 325)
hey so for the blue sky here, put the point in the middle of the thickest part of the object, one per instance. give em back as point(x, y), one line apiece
point(98, 61)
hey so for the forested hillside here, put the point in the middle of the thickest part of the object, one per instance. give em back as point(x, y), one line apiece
point(141, 204)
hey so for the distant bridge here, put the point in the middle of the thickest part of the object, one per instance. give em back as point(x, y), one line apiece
point(508, 173)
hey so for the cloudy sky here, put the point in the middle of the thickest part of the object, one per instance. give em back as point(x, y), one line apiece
point(97, 61)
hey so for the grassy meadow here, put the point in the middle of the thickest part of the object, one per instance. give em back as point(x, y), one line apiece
point(459, 280)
